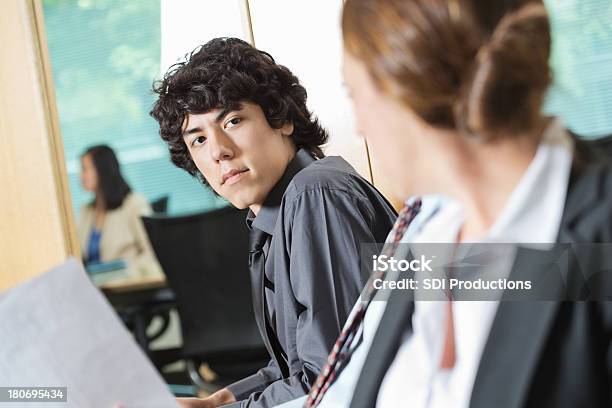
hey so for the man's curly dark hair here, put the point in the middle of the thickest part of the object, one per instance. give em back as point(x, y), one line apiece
point(220, 75)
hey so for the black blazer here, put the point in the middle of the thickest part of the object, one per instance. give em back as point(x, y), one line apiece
point(538, 354)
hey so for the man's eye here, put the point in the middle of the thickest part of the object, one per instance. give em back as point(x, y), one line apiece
point(198, 140)
point(232, 122)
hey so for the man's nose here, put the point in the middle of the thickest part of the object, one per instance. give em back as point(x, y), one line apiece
point(220, 146)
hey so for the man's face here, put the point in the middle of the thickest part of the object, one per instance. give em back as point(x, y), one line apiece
point(239, 154)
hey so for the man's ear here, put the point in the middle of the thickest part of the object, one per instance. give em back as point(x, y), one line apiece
point(287, 129)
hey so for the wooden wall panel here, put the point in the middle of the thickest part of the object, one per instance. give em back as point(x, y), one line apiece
point(36, 225)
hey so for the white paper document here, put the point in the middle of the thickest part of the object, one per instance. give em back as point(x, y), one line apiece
point(57, 330)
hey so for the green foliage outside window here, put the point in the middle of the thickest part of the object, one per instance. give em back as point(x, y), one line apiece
point(105, 55)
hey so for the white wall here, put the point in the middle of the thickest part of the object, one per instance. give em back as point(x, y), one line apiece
point(185, 24)
point(305, 36)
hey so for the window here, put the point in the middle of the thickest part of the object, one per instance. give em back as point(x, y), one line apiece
point(105, 55)
point(582, 65)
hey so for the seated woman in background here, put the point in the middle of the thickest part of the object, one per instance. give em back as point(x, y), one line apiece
point(110, 227)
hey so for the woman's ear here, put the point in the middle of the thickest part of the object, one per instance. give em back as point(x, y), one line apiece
point(287, 129)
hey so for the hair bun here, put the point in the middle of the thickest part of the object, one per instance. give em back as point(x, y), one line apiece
point(510, 76)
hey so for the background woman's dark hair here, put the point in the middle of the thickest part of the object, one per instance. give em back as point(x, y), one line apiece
point(477, 66)
point(111, 184)
point(221, 74)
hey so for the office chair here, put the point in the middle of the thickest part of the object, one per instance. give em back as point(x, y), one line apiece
point(160, 206)
point(205, 259)
point(605, 143)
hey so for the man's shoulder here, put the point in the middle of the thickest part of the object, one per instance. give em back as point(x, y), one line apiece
point(332, 174)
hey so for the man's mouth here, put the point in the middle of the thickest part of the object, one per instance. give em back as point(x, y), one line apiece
point(232, 176)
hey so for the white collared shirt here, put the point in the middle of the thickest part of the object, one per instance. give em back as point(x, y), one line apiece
point(531, 215)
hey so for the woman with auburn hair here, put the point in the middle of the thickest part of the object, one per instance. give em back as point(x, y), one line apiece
point(449, 95)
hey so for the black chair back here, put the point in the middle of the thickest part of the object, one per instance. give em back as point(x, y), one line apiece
point(205, 259)
point(160, 206)
point(604, 143)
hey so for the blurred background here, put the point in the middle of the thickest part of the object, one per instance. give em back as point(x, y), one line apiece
point(105, 54)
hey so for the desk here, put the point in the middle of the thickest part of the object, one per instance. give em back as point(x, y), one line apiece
point(137, 299)
point(124, 283)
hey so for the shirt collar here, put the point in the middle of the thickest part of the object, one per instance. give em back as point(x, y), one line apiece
point(266, 218)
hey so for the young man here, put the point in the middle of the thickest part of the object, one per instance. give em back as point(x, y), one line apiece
point(238, 121)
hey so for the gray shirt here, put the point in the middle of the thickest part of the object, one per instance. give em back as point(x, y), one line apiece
point(316, 218)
